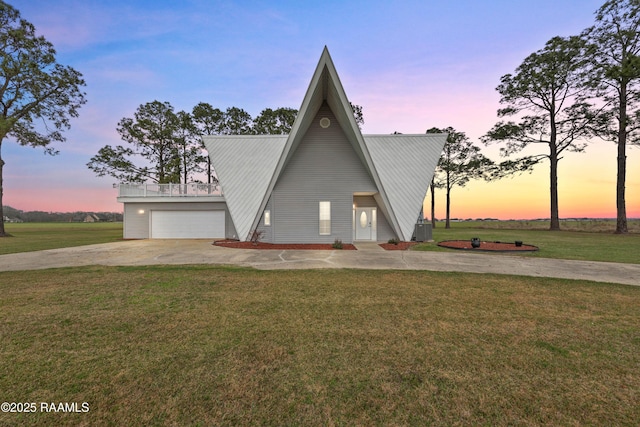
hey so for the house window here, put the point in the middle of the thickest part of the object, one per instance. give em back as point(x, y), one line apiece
point(267, 217)
point(325, 218)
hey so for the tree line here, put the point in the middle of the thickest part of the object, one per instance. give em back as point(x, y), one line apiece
point(78, 216)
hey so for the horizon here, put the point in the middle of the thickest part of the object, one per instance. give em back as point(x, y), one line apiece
point(438, 219)
point(420, 73)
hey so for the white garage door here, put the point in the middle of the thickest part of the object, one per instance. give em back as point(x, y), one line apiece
point(187, 224)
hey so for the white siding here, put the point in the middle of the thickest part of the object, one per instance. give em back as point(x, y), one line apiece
point(267, 229)
point(324, 167)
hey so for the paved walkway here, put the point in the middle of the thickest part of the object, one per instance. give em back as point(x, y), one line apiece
point(155, 252)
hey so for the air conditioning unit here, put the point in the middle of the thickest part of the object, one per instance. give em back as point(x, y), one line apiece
point(423, 232)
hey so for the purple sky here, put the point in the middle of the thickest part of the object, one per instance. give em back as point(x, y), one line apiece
point(412, 65)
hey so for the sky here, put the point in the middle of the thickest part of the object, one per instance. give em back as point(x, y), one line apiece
point(411, 65)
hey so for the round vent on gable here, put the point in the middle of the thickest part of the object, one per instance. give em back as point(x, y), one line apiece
point(325, 122)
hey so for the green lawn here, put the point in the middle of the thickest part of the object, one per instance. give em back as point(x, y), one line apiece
point(29, 237)
point(579, 245)
point(228, 346)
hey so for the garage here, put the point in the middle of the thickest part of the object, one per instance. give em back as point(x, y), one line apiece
point(187, 224)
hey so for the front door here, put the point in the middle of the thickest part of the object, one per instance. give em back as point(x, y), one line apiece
point(365, 224)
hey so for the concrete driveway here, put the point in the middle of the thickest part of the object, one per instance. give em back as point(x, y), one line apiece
point(368, 256)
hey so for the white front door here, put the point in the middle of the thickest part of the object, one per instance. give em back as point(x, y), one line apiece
point(365, 223)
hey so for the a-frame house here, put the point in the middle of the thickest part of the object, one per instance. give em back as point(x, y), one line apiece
point(325, 180)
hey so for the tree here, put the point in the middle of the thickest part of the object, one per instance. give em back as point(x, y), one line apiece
point(357, 113)
point(274, 122)
point(433, 187)
point(460, 162)
point(548, 85)
point(236, 122)
point(38, 95)
point(614, 71)
point(208, 121)
point(152, 134)
point(189, 146)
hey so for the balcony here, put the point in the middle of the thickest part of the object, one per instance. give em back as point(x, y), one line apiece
point(190, 190)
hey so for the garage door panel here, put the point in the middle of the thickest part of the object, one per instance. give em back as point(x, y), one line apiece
point(187, 224)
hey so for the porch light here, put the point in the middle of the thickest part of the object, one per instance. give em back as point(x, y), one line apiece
point(141, 211)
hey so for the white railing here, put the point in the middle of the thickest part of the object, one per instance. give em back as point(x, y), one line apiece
point(193, 189)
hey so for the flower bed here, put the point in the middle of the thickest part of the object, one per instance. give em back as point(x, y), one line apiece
point(282, 246)
point(401, 246)
point(487, 246)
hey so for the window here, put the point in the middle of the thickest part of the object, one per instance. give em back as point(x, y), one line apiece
point(267, 217)
point(325, 218)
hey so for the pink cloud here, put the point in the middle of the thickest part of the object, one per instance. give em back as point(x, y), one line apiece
point(63, 199)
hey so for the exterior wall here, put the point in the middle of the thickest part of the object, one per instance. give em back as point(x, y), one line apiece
point(384, 232)
point(324, 167)
point(137, 215)
point(267, 229)
point(228, 224)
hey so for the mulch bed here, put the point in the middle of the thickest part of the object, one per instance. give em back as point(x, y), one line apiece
point(401, 246)
point(487, 246)
point(282, 246)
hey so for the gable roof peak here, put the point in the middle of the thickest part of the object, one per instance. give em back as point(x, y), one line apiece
point(325, 86)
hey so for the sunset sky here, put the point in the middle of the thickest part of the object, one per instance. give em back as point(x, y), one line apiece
point(411, 65)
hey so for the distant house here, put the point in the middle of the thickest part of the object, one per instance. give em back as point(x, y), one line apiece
point(323, 181)
point(91, 218)
point(7, 219)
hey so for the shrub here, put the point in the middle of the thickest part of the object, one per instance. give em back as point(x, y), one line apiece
point(393, 241)
point(255, 236)
point(337, 244)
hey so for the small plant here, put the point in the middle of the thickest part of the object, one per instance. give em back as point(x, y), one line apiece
point(255, 236)
point(337, 244)
point(393, 241)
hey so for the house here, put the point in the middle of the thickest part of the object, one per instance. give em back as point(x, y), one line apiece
point(6, 219)
point(324, 181)
point(91, 218)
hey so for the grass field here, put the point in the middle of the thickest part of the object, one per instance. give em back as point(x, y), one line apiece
point(587, 241)
point(586, 225)
point(29, 237)
point(226, 346)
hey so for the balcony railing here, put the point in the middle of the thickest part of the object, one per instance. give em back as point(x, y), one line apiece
point(193, 189)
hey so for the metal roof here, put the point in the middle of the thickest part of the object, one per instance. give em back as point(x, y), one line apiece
point(244, 164)
point(405, 165)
